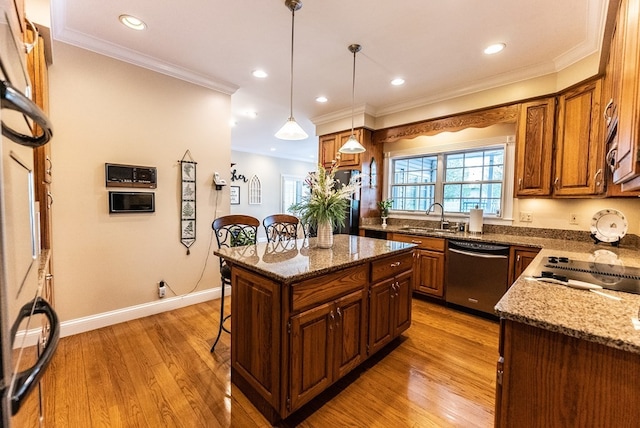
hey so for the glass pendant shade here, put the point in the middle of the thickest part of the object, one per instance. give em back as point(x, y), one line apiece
point(291, 131)
point(352, 146)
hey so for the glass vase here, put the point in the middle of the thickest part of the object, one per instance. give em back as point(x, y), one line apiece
point(325, 235)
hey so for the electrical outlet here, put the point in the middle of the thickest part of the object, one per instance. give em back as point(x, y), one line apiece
point(573, 218)
point(162, 289)
point(526, 217)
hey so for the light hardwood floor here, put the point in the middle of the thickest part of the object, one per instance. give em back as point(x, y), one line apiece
point(158, 372)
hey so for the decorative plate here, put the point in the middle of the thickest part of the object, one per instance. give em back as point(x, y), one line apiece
point(609, 225)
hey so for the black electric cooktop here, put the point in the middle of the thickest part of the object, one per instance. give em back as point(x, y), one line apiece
point(612, 276)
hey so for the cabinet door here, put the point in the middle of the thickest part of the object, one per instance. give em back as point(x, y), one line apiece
point(627, 165)
point(381, 297)
point(328, 150)
point(579, 153)
point(401, 318)
point(348, 159)
point(534, 148)
point(520, 259)
point(429, 278)
point(350, 343)
point(311, 353)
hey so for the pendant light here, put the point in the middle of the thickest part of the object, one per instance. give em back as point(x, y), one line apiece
point(291, 130)
point(353, 145)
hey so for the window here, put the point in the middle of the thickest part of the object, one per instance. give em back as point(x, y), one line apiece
point(414, 182)
point(473, 180)
point(459, 180)
point(293, 189)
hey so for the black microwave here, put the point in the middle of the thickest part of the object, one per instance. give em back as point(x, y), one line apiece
point(132, 202)
point(117, 175)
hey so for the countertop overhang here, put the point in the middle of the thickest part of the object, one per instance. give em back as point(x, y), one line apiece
point(292, 261)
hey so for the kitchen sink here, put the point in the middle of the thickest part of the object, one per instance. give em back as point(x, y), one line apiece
point(413, 229)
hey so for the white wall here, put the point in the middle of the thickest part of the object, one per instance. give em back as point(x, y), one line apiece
point(104, 110)
point(269, 170)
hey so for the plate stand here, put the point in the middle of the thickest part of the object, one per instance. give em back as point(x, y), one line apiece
point(597, 241)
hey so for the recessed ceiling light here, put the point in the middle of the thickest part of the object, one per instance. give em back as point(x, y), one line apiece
point(260, 74)
point(495, 48)
point(273, 149)
point(322, 99)
point(132, 22)
point(251, 114)
point(397, 81)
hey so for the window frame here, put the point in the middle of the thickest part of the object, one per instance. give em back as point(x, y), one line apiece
point(506, 141)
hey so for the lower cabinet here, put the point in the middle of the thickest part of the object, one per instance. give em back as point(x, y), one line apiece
point(327, 342)
point(390, 310)
point(291, 341)
point(519, 259)
point(429, 264)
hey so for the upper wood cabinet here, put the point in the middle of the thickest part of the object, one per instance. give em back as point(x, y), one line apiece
point(329, 146)
point(626, 167)
point(579, 152)
point(534, 148)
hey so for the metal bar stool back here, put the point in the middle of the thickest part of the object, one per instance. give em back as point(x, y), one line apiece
point(281, 227)
point(231, 231)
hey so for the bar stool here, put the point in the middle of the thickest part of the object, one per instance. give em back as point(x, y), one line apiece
point(231, 231)
point(281, 227)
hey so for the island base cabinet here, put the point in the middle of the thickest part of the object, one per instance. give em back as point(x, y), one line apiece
point(327, 342)
point(548, 379)
point(256, 341)
point(389, 309)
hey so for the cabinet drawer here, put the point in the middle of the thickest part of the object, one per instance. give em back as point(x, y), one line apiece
point(423, 242)
point(327, 287)
point(390, 266)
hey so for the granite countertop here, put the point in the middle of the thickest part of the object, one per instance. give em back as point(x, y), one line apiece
point(291, 261)
point(577, 313)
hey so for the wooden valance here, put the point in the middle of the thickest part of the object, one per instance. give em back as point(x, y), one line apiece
point(476, 119)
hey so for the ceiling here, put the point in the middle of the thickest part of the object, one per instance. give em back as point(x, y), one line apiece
point(436, 46)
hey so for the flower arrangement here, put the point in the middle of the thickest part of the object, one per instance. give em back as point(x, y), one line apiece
point(384, 207)
point(327, 199)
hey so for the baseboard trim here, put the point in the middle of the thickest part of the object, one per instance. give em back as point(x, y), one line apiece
point(105, 319)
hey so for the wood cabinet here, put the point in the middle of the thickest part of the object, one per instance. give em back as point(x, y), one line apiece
point(389, 309)
point(429, 265)
point(534, 148)
point(327, 342)
point(329, 146)
point(519, 259)
point(579, 154)
point(291, 341)
point(547, 379)
point(627, 161)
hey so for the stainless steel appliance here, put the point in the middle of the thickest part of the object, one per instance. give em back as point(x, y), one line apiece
point(22, 308)
point(476, 274)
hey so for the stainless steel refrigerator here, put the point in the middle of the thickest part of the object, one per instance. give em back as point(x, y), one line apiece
point(23, 311)
point(352, 213)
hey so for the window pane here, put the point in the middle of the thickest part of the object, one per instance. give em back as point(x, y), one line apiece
point(473, 159)
point(452, 191)
point(473, 174)
point(454, 174)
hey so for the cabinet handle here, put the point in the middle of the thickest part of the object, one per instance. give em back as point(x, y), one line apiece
point(339, 312)
point(607, 117)
point(50, 167)
point(555, 183)
point(610, 159)
point(396, 264)
point(595, 177)
point(50, 199)
point(520, 183)
point(414, 241)
point(333, 319)
point(518, 258)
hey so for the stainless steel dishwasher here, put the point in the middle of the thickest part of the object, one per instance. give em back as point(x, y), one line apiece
point(476, 274)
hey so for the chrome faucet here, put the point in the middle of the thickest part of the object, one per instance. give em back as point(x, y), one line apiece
point(442, 220)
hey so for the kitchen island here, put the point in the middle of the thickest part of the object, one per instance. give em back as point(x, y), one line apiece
point(304, 317)
point(569, 357)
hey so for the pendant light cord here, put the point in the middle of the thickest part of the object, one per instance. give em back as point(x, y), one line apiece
point(353, 89)
point(293, 17)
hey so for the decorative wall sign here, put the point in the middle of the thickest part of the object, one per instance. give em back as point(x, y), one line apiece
point(255, 191)
point(235, 176)
point(188, 205)
point(234, 194)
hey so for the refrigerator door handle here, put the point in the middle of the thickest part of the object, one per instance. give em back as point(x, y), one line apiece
point(26, 380)
point(12, 99)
